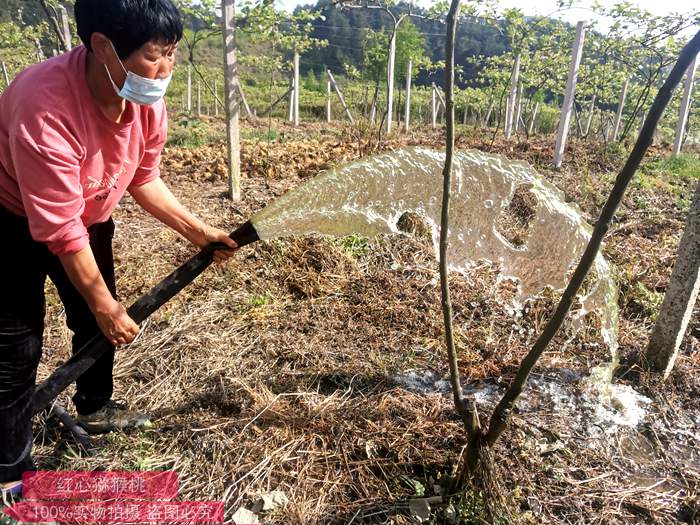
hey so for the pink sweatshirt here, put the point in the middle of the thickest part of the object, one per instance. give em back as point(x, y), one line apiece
point(63, 164)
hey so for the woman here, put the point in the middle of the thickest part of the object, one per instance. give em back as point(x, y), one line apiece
point(77, 132)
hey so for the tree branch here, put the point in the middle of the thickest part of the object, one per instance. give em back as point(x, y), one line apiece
point(467, 412)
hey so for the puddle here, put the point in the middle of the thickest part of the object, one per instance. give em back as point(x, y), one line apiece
point(595, 409)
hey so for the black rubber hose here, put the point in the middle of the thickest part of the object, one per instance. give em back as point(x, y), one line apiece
point(160, 294)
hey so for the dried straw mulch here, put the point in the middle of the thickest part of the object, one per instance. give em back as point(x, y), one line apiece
point(279, 370)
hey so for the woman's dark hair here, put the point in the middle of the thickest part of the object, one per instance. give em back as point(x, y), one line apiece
point(129, 24)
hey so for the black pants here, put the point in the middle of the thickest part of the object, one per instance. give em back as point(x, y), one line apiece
point(24, 266)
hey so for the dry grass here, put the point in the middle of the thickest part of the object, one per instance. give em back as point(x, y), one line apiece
point(279, 370)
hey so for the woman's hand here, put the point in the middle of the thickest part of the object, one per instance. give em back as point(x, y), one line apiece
point(210, 235)
point(115, 323)
point(112, 318)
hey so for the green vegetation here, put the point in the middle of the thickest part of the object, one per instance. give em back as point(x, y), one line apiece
point(683, 166)
point(355, 246)
point(260, 300)
point(188, 132)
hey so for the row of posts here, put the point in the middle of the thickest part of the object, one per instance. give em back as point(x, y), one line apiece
point(513, 117)
point(569, 95)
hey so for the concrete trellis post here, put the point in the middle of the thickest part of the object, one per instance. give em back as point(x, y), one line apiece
point(340, 96)
point(328, 101)
point(390, 81)
point(488, 113)
point(290, 109)
point(620, 108)
point(642, 118)
point(682, 292)
point(297, 86)
point(569, 96)
point(441, 100)
point(589, 120)
point(608, 127)
point(685, 106)
point(433, 100)
point(216, 98)
point(189, 88)
point(532, 119)
point(511, 102)
point(199, 97)
point(39, 52)
point(243, 100)
point(5, 75)
point(519, 110)
point(65, 26)
point(407, 110)
point(232, 102)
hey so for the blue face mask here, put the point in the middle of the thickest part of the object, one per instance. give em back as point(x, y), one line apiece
point(138, 89)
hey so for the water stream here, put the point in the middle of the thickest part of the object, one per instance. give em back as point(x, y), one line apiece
point(368, 197)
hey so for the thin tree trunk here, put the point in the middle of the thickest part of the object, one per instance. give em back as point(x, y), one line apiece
point(466, 411)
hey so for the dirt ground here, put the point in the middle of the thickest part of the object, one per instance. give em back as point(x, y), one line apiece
point(316, 367)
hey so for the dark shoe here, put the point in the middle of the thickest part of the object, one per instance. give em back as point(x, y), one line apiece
point(114, 416)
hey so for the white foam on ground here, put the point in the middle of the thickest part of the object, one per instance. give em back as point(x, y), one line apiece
point(594, 408)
